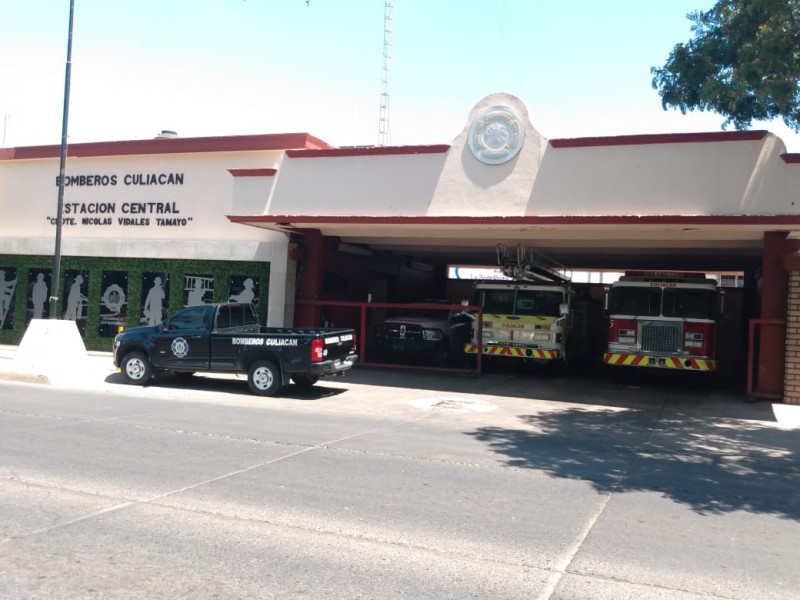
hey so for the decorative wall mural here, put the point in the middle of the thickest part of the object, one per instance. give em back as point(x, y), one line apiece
point(198, 289)
point(38, 306)
point(243, 288)
point(76, 285)
point(155, 295)
point(113, 302)
point(8, 293)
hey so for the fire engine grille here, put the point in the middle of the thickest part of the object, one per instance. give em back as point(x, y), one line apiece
point(661, 336)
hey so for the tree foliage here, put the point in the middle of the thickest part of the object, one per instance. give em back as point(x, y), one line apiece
point(743, 63)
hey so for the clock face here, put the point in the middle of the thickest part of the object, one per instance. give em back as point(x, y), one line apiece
point(496, 135)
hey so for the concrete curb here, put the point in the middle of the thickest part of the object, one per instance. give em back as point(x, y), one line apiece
point(25, 377)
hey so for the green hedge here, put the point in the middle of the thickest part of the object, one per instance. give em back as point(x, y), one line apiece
point(135, 268)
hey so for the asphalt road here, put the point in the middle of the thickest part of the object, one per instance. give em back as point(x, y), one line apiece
point(355, 490)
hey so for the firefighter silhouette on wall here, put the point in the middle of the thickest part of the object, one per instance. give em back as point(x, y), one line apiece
point(154, 303)
point(155, 297)
point(77, 304)
point(38, 284)
point(7, 288)
point(243, 290)
point(76, 300)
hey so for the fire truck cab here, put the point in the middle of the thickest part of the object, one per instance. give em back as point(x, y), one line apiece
point(528, 316)
point(523, 320)
point(662, 320)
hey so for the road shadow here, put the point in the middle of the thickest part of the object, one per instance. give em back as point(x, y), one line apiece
point(714, 465)
point(625, 388)
point(232, 385)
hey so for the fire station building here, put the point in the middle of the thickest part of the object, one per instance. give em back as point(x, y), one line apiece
point(310, 233)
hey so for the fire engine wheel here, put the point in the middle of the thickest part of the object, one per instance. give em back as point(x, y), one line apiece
point(136, 368)
point(264, 378)
point(304, 381)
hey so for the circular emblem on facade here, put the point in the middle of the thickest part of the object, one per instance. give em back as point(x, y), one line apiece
point(114, 298)
point(180, 347)
point(496, 135)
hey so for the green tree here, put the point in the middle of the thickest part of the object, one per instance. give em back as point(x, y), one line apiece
point(743, 63)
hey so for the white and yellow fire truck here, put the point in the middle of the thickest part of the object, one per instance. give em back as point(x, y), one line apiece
point(662, 320)
point(526, 317)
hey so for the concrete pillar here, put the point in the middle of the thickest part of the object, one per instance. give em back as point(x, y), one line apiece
point(770, 361)
point(775, 362)
point(310, 277)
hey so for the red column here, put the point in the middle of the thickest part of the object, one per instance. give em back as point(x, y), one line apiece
point(310, 278)
point(774, 295)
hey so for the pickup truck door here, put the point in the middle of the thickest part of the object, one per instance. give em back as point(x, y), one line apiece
point(182, 341)
point(233, 322)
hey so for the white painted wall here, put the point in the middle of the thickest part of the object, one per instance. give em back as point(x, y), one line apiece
point(697, 178)
point(29, 195)
point(356, 185)
point(715, 178)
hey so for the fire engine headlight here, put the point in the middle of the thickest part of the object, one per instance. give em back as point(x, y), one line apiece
point(627, 332)
point(541, 337)
point(486, 333)
point(693, 337)
point(432, 335)
point(693, 344)
point(627, 339)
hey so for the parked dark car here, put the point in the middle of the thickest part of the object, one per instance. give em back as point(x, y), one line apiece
point(425, 332)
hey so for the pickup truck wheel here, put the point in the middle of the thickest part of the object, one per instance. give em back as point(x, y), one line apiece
point(264, 378)
point(136, 368)
point(304, 381)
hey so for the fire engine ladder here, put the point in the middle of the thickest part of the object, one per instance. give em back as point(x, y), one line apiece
point(529, 265)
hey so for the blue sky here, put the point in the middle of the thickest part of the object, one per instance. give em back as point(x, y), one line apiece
point(226, 67)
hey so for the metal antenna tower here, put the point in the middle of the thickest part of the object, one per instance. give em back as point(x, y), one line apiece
point(388, 26)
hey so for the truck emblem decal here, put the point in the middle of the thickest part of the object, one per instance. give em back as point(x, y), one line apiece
point(180, 347)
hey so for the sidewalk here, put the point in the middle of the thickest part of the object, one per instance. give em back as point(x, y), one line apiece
point(89, 371)
point(393, 391)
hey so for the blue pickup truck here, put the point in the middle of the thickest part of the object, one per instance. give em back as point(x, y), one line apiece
point(227, 338)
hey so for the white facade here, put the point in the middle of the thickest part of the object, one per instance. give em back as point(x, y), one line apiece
point(711, 174)
point(119, 202)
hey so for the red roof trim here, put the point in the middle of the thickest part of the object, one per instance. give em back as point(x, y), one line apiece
point(368, 151)
point(252, 172)
point(791, 159)
point(235, 143)
point(660, 138)
point(300, 220)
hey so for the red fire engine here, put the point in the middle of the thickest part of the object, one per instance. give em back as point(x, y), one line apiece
point(662, 320)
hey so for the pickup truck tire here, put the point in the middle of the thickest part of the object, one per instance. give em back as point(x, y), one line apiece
point(136, 368)
point(304, 381)
point(264, 378)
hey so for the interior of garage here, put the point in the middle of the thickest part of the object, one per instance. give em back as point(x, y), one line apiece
point(356, 275)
